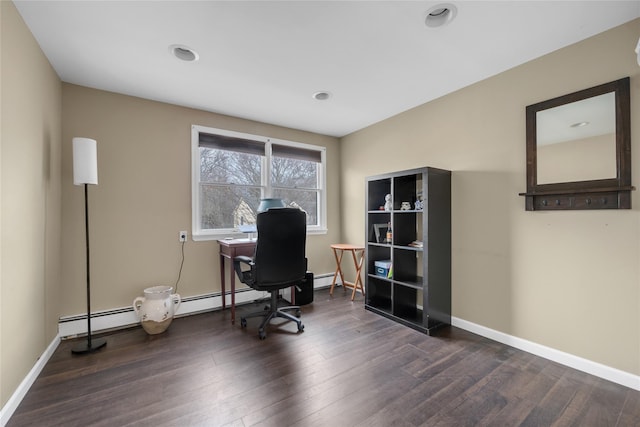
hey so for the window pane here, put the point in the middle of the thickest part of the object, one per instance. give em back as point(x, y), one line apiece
point(229, 167)
point(306, 199)
point(228, 207)
point(292, 173)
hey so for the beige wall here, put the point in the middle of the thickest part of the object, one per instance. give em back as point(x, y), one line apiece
point(567, 280)
point(30, 290)
point(143, 198)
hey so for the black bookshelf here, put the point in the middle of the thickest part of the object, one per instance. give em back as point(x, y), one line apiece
point(417, 290)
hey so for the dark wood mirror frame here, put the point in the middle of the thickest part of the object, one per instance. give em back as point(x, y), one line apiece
point(611, 193)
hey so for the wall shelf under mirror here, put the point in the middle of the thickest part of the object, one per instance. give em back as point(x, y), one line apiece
point(579, 150)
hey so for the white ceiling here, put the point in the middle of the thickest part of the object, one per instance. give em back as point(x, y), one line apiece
point(263, 60)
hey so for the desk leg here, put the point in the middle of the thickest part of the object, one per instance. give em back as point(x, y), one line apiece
point(358, 283)
point(338, 270)
point(233, 296)
point(222, 270)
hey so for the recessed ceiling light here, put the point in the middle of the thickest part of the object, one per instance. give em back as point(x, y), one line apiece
point(321, 96)
point(440, 14)
point(183, 53)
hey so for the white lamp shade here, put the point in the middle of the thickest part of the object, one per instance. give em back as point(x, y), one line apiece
point(85, 161)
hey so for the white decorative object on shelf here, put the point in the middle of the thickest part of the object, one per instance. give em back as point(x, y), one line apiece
point(388, 204)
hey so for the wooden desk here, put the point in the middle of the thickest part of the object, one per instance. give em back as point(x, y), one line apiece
point(338, 251)
point(230, 249)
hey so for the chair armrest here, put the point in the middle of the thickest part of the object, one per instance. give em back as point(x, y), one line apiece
point(245, 276)
point(243, 259)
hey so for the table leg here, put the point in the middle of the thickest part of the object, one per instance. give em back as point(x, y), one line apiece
point(358, 265)
point(360, 271)
point(338, 269)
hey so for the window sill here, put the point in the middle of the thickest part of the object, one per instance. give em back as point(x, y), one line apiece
point(202, 237)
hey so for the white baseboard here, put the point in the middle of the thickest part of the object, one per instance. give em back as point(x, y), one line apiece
point(12, 404)
point(597, 369)
point(72, 326)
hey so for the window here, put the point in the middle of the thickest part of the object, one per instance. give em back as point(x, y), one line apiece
point(232, 171)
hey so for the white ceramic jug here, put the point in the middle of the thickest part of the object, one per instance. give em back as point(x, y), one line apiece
point(156, 308)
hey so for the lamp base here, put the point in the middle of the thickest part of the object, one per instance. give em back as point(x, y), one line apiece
point(84, 348)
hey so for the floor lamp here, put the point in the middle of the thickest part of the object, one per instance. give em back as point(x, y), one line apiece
point(85, 172)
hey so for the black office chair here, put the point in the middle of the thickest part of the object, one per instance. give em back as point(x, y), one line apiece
point(279, 262)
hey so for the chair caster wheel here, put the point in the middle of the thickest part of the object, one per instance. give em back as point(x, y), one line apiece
point(262, 334)
point(298, 313)
point(243, 323)
point(300, 327)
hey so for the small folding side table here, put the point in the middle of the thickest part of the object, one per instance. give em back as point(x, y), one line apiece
point(357, 252)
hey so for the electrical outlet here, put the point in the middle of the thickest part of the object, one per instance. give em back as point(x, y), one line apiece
point(182, 236)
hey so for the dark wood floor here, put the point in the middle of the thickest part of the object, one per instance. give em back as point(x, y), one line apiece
point(349, 367)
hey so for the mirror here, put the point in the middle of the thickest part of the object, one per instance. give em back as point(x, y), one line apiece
point(577, 141)
point(579, 150)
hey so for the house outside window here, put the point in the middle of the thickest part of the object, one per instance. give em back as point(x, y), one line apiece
point(232, 171)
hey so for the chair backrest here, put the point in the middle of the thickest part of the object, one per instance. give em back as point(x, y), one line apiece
point(280, 251)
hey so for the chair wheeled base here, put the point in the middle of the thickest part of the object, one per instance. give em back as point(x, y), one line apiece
point(272, 311)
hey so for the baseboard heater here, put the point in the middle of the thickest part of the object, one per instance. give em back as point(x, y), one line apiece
point(119, 318)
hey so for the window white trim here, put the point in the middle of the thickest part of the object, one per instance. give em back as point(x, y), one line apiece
point(199, 234)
